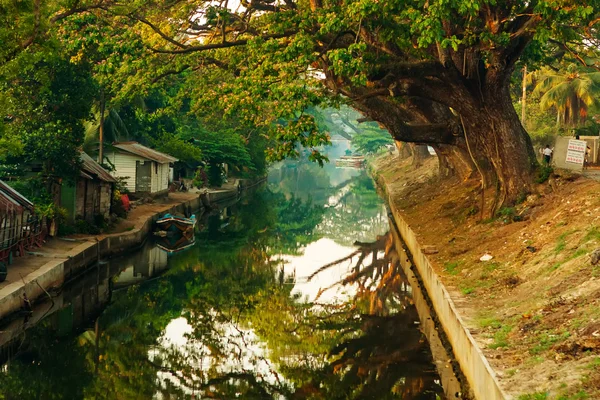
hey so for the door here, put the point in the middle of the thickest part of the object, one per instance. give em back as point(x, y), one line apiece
point(143, 177)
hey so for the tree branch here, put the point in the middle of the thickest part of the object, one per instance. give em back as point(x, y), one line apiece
point(213, 46)
point(158, 31)
point(76, 9)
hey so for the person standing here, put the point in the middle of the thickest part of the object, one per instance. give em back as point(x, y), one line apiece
point(547, 152)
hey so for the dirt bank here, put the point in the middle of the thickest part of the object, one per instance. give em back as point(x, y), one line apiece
point(534, 308)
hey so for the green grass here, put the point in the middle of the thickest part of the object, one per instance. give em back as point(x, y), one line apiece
point(492, 266)
point(535, 360)
point(555, 266)
point(489, 322)
point(581, 395)
point(595, 363)
point(501, 330)
point(546, 340)
point(501, 337)
point(592, 234)
point(580, 252)
point(452, 268)
point(534, 396)
point(561, 243)
point(467, 290)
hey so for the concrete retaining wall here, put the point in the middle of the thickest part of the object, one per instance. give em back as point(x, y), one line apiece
point(119, 242)
point(474, 366)
point(450, 383)
point(52, 274)
point(56, 272)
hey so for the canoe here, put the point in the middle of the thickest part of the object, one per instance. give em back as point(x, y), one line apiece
point(170, 222)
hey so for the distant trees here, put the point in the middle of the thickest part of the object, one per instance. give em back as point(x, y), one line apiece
point(435, 73)
point(570, 92)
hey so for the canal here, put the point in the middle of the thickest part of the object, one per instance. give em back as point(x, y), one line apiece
point(292, 292)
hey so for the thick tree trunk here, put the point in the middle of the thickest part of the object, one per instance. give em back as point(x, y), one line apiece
point(403, 150)
point(420, 153)
point(496, 131)
point(455, 161)
point(419, 123)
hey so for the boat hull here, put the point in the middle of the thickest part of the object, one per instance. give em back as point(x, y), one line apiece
point(172, 223)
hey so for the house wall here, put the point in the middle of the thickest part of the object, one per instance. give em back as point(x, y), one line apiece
point(125, 166)
point(80, 198)
point(106, 193)
point(93, 202)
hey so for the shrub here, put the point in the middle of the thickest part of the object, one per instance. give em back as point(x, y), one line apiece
point(544, 173)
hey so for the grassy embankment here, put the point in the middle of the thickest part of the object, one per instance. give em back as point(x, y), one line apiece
point(534, 308)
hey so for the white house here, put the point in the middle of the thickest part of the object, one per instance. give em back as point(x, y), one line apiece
point(146, 171)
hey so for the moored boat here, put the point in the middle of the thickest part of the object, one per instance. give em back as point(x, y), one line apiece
point(350, 161)
point(169, 222)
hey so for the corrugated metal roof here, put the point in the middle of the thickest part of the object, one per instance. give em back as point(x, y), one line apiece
point(9, 198)
point(146, 152)
point(91, 167)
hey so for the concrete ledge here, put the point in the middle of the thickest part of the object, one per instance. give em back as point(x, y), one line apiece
point(119, 242)
point(60, 270)
point(474, 366)
point(49, 275)
point(450, 383)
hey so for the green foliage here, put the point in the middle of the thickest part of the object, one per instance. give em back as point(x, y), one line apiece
point(507, 214)
point(178, 148)
point(570, 92)
point(215, 175)
point(546, 340)
point(45, 99)
point(544, 173)
point(370, 141)
point(534, 396)
point(452, 267)
point(200, 178)
point(223, 147)
point(35, 190)
point(501, 337)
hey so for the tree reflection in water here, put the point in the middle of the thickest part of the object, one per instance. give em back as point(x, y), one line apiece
point(223, 322)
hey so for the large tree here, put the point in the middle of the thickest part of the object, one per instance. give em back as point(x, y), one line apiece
point(433, 72)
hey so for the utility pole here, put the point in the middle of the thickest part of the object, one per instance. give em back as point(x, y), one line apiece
point(524, 98)
point(101, 128)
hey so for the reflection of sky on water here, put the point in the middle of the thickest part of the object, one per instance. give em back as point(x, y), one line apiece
point(343, 222)
point(245, 352)
point(316, 255)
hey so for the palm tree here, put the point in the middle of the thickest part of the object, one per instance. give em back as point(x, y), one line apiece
point(107, 125)
point(570, 92)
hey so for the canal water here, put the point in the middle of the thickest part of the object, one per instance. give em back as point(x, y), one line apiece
point(293, 292)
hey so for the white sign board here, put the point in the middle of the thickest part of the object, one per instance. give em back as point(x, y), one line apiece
point(576, 151)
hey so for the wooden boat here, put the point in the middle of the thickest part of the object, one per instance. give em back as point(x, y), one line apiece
point(170, 222)
point(350, 161)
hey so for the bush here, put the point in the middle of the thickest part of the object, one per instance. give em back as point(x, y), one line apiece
point(85, 227)
point(200, 179)
point(544, 173)
point(116, 205)
point(215, 175)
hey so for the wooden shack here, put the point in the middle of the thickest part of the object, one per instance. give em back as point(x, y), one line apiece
point(145, 171)
point(91, 195)
point(20, 229)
